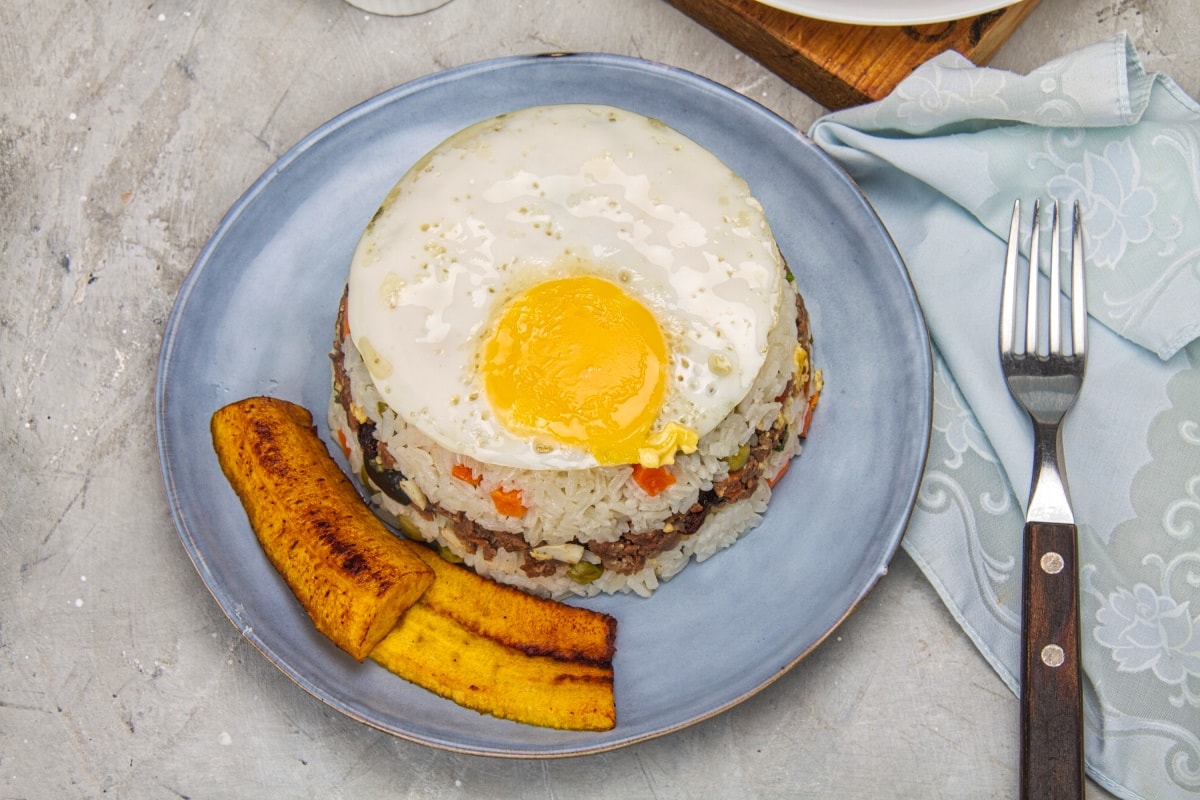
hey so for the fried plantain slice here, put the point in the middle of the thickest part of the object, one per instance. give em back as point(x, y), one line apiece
point(483, 645)
point(351, 574)
point(533, 625)
point(438, 653)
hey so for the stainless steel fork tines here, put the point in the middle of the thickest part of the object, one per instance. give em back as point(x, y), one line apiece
point(1045, 379)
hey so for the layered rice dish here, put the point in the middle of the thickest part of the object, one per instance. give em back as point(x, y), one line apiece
point(570, 354)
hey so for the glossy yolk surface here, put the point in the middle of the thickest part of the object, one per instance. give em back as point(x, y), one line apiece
point(579, 361)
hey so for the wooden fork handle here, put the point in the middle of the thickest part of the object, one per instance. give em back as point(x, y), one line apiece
point(1051, 694)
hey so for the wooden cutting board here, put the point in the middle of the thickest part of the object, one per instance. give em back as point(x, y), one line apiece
point(843, 65)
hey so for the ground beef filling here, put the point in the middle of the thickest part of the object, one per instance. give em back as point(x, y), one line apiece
point(626, 556)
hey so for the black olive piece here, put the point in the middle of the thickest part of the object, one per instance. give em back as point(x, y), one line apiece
point(388, 480)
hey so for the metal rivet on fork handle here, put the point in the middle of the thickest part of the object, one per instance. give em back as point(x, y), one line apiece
point(1053, 655)
point(1052, 563)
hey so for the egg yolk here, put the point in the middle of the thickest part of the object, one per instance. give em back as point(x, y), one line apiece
point(578, 361)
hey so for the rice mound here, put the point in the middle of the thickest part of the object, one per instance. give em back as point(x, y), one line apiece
point(599, 516)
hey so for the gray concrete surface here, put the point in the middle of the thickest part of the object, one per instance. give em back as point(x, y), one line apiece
point(126, 131)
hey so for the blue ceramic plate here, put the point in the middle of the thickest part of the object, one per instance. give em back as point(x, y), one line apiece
point(256, 316)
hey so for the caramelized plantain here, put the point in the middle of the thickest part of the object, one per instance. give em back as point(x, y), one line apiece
point(438, 653)
point(533, 625)
point(488, 647)
point(349, 572)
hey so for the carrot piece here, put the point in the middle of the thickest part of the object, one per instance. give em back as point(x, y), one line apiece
point(465, 473)
point(779, 475)
point(653, 480)
point(341, 434)
point(508, 502)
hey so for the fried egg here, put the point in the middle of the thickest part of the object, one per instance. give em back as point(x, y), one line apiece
point(564, 287)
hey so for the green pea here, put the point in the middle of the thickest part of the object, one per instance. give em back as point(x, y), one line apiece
point(738, 459)
point(449, 555)
point(408, 528)
point(584, 572)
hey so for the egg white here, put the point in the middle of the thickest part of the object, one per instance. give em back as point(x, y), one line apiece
point(550, 192)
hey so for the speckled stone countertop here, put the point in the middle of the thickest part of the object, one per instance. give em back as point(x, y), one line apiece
point(126, 132)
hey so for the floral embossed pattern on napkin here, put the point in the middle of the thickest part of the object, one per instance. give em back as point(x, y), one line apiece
point(942, 159)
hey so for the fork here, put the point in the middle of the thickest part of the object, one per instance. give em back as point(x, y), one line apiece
point(1045, 381)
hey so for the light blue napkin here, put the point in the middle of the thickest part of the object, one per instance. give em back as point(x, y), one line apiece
point(942, 159)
